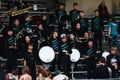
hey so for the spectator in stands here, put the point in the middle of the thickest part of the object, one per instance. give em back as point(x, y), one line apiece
point(102, 71)
point(25, 76)
point(12, 75)
point(113, 61)
point(61, 17)
point(2, 72)
point(90, 61)
point(113, 34)
point(29, 60)
point(73, 15)
point(102, 8)
point(60, 76)
point(97, 30)
point(83, 21)
point(43, 74)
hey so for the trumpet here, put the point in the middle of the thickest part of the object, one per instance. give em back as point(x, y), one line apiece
point(10, 11)
point(21, 11)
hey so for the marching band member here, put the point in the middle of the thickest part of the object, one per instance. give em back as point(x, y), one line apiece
point(54, 43)
point(79, 32)
point(29, 60)
point(97, 29)
point(89, 56)
point(113, 62)
point(24, 45)
point(72, 40)
point(83, 21)
point(27, 25)
point(42, 35)
point(85, 40)
point(61, 18)
point(2, 34)
point(74, 14)
point(16, 27)
point(10, 47)
point(65, 51)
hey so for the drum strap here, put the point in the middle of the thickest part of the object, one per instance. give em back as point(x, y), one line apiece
point(110, 72)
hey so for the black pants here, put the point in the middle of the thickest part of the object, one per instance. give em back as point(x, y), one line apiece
point(55, 62)
point(90, 66)
point(98, 40)
point(65, 62)
point(11, 59)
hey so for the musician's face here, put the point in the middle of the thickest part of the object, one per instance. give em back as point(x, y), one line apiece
point(78, 26)
point(55, 34)
point(72, 36)
point(10, 33)
point(64, 39)
point(97, 13)
point(27, 39)
point(61, 6)
point(75, 7)
point(30, 47)
point(90, 44)
point(113, 52)
point(17, 22)
point(86, 35)
point(82, 14)
point(44, 17)
point(40, 27)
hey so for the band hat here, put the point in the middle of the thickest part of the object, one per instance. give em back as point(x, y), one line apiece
point(90, 42)
point(63, 36)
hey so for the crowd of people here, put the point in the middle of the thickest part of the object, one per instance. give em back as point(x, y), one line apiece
point(21, 40)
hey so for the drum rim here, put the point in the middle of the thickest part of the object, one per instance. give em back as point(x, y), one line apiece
point(71, 56)
point(52, 53)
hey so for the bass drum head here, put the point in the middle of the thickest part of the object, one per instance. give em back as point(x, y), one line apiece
point(105, 54)
point(46, 54)
point(75, 56)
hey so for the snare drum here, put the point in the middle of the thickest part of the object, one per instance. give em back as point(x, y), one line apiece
point(105, 54)
point(75, 56)
point(46, 54)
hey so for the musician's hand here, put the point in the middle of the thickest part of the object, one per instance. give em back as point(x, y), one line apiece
point(28, 29)
point(115, 65)
point(102, 33)
point(10, 46)
point(15, 43)
point(1, 35)
point(93, 33)
point(86, 57)
point(56, 52)
point(109, 36)
point(67, 53)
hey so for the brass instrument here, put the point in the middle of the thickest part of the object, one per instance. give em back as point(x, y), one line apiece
point(21, 11)
point(42, 39)
point(2, 28)
point(10, 11)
